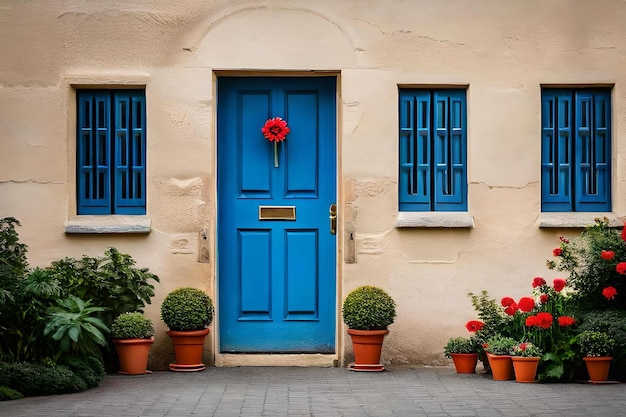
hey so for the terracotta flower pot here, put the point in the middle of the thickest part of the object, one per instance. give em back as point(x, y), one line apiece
point(525, 368)
point(465, 363)
point(367, 345)
point(598, 367)
point(188, 349)
point(501, 367)
point(133, 355)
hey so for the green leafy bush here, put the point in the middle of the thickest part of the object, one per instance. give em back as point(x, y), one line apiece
point(7, 393)
point(73, 325)
point(33, 379)
point(89, 369)
point(461, 345)
point(368, 308)
point(186, 309)
point(595, 343)
point(132, 326)
point(499, 345)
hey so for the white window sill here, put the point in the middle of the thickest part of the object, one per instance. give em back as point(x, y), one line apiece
point(108, 224)
point(575, 220)
point(434, 219)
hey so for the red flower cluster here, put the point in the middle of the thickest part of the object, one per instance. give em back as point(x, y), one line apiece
point(538, 282)
point(566, 321)
point(543, 320)
point(474, 325)
point(559, 284)
point(557, 252)
point(621, 268)
point(609, 293)
point(526, 304)
point(510, 306)
point(543, 298)
point(275, 130)
point(607, 255)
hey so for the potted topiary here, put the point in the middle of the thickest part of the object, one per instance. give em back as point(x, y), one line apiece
point(596, 348)
point(187, 312)
point(133, 335)
point(464, 353)
point(367, 311)
point(498, 349)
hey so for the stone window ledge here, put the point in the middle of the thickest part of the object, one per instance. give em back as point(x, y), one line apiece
point(575, 220)
point(108, 224)
point(434, 219)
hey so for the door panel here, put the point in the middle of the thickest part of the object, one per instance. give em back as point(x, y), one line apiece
point(276, 276)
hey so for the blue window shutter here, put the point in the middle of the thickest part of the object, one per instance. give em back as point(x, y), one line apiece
point(556, 143)
point(415, 151)
point(130, 152)
point(93, 153)
point(593, 151)
point(450, 151)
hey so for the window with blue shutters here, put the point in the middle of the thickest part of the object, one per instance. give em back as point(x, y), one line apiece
point(433, 150)
point(576, 150)
point(111, 151)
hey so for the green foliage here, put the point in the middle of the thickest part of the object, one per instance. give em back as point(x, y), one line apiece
point(73, 325)
point(132, 326)
point(34, 379)
point(88, 368)
point(7, 393)
point(368, 308)
point(491, 313)
point(186, 309)
point(588, 272)
point(13, 264)
point(595, 343)
point(499, 345)
point(112, 282)
point(461, 345)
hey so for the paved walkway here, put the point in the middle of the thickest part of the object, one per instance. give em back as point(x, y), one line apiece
point(264, 391)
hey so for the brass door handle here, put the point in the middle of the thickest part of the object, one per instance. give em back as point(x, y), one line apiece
point(333, 218)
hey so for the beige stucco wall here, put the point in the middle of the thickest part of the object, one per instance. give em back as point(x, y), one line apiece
point(503, 51)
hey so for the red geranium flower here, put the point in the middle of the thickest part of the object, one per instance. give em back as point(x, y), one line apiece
point(526, 304)
point(531, 321)
point(275, 130)
point(621, 268)
point(543, 298)
point(609, 293)
point(507, 301)
point(559, 284)
point(557, 252)
point(565, 321)
point(474, 325)
point(544, 320)
point(511, 309)
point(624, 232)
point(538, 282)
point(607, 255)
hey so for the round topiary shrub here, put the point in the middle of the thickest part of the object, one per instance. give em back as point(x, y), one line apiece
point(132, 326)
point(368, 308)
point(187, 309)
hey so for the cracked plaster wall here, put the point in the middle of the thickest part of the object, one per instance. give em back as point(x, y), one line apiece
point(502, 52)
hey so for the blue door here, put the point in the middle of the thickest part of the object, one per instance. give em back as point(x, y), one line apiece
point(276, 262)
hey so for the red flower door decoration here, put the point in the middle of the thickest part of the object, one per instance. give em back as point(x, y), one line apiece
point(275, 130)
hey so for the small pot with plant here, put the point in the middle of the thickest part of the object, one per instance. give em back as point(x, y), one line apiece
point(498, 349)
point(525, 357)
point(133, 335)
point(187, 312)
point(596, 348)
point(464, 353)
point(368, 311)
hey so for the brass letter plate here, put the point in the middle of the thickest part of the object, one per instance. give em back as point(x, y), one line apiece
point(277, 212)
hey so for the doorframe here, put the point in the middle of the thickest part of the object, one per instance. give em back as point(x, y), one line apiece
point(300, 359)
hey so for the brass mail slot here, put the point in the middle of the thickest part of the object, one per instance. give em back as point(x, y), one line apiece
point(277, 212)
